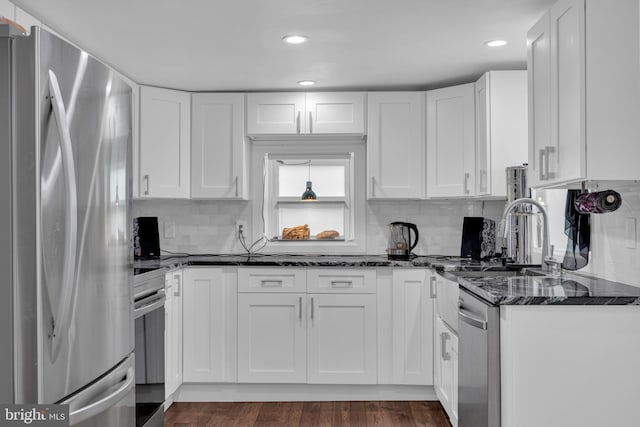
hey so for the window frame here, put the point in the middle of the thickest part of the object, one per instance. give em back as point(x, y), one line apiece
point(355, 202)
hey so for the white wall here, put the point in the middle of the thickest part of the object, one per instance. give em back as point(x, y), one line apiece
point(610, 257)
point(203, 226)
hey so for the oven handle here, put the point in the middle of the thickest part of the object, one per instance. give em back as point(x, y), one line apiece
point(471, 320)
point(149, 304)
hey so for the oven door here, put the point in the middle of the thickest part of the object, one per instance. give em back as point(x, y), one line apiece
point(149, 351)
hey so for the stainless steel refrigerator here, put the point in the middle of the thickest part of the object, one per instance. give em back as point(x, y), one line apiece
point(65, 297)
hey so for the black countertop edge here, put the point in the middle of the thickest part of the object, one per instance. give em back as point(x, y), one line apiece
point(601, 292)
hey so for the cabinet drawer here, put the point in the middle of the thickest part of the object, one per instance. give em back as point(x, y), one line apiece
point(272, 280)
point(342, 280)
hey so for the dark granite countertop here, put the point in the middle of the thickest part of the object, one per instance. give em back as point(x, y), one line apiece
point(496, 288)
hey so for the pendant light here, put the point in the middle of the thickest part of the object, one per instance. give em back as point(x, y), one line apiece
point(309, 194)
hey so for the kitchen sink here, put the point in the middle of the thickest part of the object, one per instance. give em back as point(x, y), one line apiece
point(498, 273)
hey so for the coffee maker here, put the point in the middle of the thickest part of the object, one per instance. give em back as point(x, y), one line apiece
point(400, 242)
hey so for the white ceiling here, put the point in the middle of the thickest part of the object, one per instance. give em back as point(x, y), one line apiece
point(235, 45)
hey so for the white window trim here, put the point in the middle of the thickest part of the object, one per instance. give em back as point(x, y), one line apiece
point(298, 149)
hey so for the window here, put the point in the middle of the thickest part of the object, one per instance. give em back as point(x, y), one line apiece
point(327, 224)
point(330, 176)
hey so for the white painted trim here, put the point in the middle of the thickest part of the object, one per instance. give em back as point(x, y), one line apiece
point(216, 392)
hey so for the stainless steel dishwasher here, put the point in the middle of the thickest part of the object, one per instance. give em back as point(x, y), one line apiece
point(479, 362)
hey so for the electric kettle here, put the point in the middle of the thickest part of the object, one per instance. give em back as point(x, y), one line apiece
point(400, 242)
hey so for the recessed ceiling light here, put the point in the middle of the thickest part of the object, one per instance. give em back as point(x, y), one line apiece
point(295, 39)
point(495, 43)
point(306, 82)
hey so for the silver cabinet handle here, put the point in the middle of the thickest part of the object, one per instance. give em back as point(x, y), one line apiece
point(300, 309)
point(146, 180)
point(547, 151)
point(471, 320)
point(483, 181)
point(541, 154)
point(341, 284)
point(312, 311)
point(433, 287)
point(466, 183)
point(310, 123)
point(271, 283)
point(178, 280)
point(298, 123)
point(373, 186)
point(443, 346)
point(235, 182)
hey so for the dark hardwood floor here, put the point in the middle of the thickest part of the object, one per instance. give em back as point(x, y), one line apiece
point(286, 414)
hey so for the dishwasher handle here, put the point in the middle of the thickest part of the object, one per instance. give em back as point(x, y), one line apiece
point(471, 320)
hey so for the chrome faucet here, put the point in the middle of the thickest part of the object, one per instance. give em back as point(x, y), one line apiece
point(548, 264)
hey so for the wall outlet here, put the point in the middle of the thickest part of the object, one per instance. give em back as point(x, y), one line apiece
point(241, 228)
point(169, 230)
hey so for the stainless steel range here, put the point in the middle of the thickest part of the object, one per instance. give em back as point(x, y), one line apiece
point(149, 296)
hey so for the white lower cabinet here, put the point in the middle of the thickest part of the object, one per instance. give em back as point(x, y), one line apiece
point(272, 344)
point(173, 332)
point(412, 331)
point(209, 324)
point(341, 339)
point(446, 369)
point(322, 338)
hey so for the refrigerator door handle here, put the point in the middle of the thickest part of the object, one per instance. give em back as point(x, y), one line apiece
point(95, 407)
point(63, 314)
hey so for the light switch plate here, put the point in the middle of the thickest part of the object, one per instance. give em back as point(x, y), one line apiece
point(169, 230)
point(630, 233)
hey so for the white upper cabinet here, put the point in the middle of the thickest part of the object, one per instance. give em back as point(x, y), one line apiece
point(539, 84)
point(501, 129)
point(165, 139)
point(294, 113)
point(592, 50)
point(218, 167)
point(451, 142)
point(395, 145)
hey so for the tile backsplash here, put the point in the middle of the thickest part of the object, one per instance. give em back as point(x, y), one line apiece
point(205, 226)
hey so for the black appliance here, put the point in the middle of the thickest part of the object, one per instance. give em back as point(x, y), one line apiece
point(478, 238)
point(146, 240)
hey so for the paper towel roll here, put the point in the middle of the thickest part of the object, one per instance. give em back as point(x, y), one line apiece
point(598, 202)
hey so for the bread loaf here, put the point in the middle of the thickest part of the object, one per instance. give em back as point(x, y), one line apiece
point(299, 232)
point(327, 234)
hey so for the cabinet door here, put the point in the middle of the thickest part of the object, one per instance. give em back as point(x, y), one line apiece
point(342, 339)
point(451, 142)
point(218, 146)
point(539, 85)
point(412, 328)
point(483, 136)
point(566, 159)
point(272, 345)
point(169, 318)
point(335, 112)
point(209, 316)
point(276, 113)
point(445, 375)
point(164, 143)
point(173, 332)
point(395, 145)
point(447, 293)
point(501, 123)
